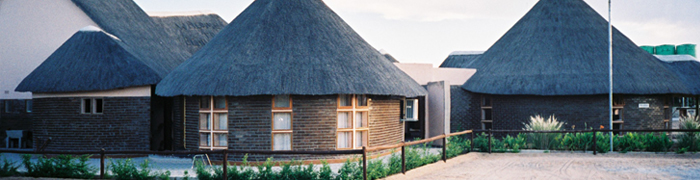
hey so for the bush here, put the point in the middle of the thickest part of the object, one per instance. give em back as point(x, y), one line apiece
point(350, 170)
point(513, 144)
point(7, 168)
point(603, 142)
point(63, 166)
point(577, 141)
point(456, 146)
point(658, 144)
point(630, 142)
point(125, 169)
point(543, 140)
point(481, 142)
point(689, 140)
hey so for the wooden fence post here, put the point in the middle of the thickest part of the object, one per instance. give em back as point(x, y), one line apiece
point(225, 166)
point(364, 162)
point(403, 158)
point(490, 136)
point(102, 163)
point(444, 148)
point(471, 141)
point(595, 140)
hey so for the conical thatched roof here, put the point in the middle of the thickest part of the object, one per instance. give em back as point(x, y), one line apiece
point(192, 31)
point(287, 47)
point(560, 47)
point(461, 59)
point(686, 68)
point(88, 61)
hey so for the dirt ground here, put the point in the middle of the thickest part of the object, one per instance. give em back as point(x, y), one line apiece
point(563, 165)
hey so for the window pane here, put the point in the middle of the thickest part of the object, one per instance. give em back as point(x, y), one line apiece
point(220, 103)
point(282, 101)
point(345, 100)
point(29, 105)
point(361, 100)
point(487, 125)
point(204, 102)
point(221, 140)
point(617, 114)
point(87, 106)
point(486, 101)
point(410, 104)
point(487, 115)
point(344, 120)
point(344, 139)
point(98, 106)
point(282, 121)
point(204, 122)
point(360, 139)
point(204, 139)
point(360, 119)
point(282, 142)
point(221, 122)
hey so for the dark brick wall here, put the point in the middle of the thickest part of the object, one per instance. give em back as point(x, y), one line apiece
point(124, 125)
point(643, 118)
point(466, 112)
point(178, 120)
point(16, 119)
point(385, 125)
point(314, 122)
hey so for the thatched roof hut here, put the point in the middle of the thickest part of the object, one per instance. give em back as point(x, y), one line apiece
point(296, 47)
point(461, 59)
point(686, 67)
point(91, 60)
point(560, 47)
point(192, 31)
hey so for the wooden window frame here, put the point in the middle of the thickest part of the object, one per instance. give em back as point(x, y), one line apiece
point(212, 131)
point(414, 110)
point(93, 107)
point(352, 111)
point(484, 107)
point(28, 106)
point(289, 131)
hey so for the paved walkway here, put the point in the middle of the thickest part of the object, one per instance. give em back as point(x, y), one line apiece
point(563, 165)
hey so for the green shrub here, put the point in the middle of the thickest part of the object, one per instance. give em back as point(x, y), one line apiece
point(350, 170)
point(513, 144)
point(376, 170)
point(7, 168)
point(630, 142)
point(602, 142)
point(689, 140)
point(457, 146)
point(577, 141)
point(659, 143)
point(125, 169)
point(63, 166)
point(481, 142)
point(395, 163)
point(325, 171)
point(543, 140)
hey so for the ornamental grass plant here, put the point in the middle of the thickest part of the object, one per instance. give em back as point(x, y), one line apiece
point(689, 141)
point(543, 141)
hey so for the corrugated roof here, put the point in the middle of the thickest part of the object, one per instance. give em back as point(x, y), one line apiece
point(192, 31)
point(288, 47)
point(560, 47)
point(89, 61)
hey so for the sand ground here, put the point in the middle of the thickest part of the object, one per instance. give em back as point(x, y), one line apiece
point(564, 165)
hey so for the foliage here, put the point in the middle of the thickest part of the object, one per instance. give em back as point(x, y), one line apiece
point(456, 146)
point(125, 169)
point(289, 170)
point(325, 172)
point(602, 142)
point(508, 144)
point(543, 140)
point(481, 143)
point(513, 144)
point(419, 156)
point(689, 140)
point(7, 168)
point(577, 141)
point(630, 142)
point(659, 143)
point(350, 170)
point(62, 166)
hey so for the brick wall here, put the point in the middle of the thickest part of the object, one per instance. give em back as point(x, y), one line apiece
point(16, 119)
point(465, 110)
point(385, 125)
point(510, 112)
point(124, 125)
point(643, 118)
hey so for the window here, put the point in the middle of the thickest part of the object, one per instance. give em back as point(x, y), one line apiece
point(7, 106)
point(29, 105)
point(353, 121)
point(213, 123)
point(486, 113)
point(282, 122)
point(92, 106)
point(411, 109)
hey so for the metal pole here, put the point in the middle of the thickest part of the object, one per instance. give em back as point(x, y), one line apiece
point(610, 49)
point(102, 163)
point(403, 158)
point(444, 148)
point(225, 177)
point(364, 162)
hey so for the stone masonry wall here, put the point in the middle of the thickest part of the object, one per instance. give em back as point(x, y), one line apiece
point(124, 125)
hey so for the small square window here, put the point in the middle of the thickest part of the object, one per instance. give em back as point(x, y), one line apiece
point(344, 120)
point(362, 100)
point(486, 101)
point(282, 121)
point(204, 139)
point(412, 109)
point(361, 119)
point(282, 141)
point(7, 106)
point(344, 140)
point(98, 106)
point(221, 121)
point(282, 101)
point(204, 121)
point(87, 106)
point(204, 102)
point(617, 114)
point(29, 105)
point(219, 102)
point(345, 100)
point(221, 140)
point(486, 125)
point(486, 114)
point(360, 139)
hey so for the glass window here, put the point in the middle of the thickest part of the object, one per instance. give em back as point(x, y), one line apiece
point(220, 103)
point(282, 121)
point(29, 105)
point(282, 141)
point(362, 100)
point(204, 139)
point(221, 122)
point(204, 119)
point(344, 120)
point(617, 114)
point(220, 139)
point(486, 125)
point(487, 115)
point(98, 106)
point(360, 139)
point(87, 106)
point(410, 105)
point(360, 119)
point(345, 100)
point(344, 140)
point(282, 101)
point(486, 101)
point(204, 103)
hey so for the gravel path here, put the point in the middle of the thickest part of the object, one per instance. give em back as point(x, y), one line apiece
point(563, 165)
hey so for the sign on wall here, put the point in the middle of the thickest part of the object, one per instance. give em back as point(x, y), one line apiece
point(643, 105)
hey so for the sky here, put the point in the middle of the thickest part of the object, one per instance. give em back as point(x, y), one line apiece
point(427, 31)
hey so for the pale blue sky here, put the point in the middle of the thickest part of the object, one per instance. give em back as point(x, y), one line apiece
point(425, 31)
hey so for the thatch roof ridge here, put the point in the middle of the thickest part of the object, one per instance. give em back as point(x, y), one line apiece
point(560, 48)
point(288, 47)
point(89, 61)
point(192, 31)
point(126, 20)
point(460, 60)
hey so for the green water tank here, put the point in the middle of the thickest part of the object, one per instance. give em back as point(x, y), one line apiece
point(666, 49)
point(649, 49)
point(686, 49)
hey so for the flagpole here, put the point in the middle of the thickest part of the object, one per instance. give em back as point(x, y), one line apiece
point(610, 53)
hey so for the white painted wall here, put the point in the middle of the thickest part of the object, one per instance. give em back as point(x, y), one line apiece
point(141, 91)
point(425, 73)
point(30, 30)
